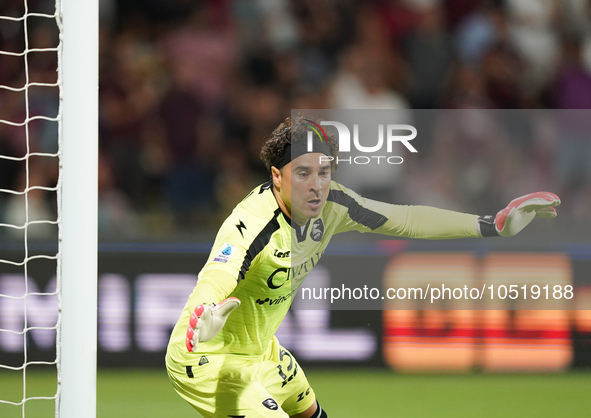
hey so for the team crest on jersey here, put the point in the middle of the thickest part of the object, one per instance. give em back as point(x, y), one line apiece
point(317, 230)
point(271, 404)
point(225, 253)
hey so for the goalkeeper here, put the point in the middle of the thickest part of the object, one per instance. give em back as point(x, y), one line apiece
point(223, 357)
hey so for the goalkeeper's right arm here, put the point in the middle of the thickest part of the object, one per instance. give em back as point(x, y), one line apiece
point(208, 316)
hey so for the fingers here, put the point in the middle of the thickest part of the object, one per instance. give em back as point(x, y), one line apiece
point(551, 196)
point(200, 313)
point(549, 212)
point(191, 339)
point(195, 316)
point(536, 200)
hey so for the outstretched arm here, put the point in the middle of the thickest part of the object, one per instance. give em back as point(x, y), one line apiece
point(432, 223)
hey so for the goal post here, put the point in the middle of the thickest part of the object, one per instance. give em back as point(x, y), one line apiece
point(77, 269)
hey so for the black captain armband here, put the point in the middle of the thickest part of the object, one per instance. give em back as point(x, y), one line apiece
point(486, 225)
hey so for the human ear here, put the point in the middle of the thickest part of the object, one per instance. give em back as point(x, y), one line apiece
point(276, 173)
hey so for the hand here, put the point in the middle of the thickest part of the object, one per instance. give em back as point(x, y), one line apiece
point(207, 320)
point(523, 210)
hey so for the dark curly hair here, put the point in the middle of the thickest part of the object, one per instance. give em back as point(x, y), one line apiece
point(292, 131)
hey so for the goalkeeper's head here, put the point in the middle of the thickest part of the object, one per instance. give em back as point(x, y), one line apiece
point(301, 174)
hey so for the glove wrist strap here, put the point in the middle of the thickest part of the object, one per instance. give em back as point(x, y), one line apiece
point(487, 226)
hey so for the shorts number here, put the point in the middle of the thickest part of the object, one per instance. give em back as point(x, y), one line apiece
point(283, 376)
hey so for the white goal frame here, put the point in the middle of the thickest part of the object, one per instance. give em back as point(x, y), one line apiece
point(77, 207)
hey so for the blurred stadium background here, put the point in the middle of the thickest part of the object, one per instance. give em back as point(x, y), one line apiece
point(188, 92)
point(190, 89)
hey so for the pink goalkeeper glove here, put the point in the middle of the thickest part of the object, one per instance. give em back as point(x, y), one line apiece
point(519, 213)
point(207, 320)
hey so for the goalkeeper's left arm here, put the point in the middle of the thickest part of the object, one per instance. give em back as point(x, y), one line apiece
point(432, 223)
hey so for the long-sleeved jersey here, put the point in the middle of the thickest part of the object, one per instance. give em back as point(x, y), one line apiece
point(269, 258)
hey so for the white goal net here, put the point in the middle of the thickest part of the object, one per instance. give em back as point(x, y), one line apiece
point(47, 208)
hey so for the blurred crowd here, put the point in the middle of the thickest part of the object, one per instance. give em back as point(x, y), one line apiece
point(190, 89)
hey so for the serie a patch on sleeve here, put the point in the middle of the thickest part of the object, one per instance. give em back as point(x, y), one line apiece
point(225, 253)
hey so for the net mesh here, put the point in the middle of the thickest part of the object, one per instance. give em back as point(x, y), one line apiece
point(30, 114)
